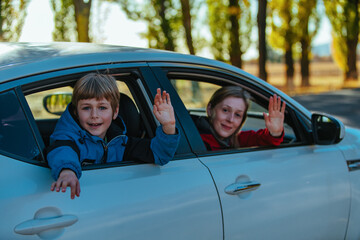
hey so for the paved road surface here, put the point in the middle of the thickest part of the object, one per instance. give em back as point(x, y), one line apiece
point(343, 104)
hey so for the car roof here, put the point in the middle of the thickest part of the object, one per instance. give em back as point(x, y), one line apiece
point(20, 59)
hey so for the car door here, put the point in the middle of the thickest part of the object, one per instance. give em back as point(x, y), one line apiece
point(117, 201)
point(121, 202)
point(295, 191)
point(288, 193)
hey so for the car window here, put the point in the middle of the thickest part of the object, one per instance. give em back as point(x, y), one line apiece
point(48, 105)
point(200, 93)
point(37, 105)
point(16, 136)
point(195, 95)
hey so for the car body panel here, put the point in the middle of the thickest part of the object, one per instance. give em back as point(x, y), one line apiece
point(350, 146)
point(304, 193)
point(135, 202)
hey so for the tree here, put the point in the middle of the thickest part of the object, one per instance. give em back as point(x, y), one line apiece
point(217, 24)
point(162, 19)
point(344, 19)
point(12, 17)
point(283, 35)
point(72, 20)
point(307, 13)
point(230, 27)
point(261, 21)
point(164, 26)
point(65, 26)
point(186, 19)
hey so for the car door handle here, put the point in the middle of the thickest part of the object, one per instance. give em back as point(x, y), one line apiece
point(36, 226)
point(241, 187)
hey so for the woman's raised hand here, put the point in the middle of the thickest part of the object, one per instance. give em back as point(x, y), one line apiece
point(274, 121)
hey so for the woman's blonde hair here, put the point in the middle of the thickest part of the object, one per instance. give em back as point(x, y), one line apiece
point(96, 85)
point(223, 93)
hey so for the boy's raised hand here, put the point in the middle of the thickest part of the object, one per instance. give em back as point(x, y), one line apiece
point(67, 178)
point(274, 121)
point(164, 112)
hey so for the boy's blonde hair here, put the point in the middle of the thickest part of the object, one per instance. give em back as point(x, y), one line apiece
point(96, 85)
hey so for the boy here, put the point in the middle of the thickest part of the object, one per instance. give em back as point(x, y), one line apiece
point(90, 131)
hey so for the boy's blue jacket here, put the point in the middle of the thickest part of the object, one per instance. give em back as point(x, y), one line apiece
point(71, 146)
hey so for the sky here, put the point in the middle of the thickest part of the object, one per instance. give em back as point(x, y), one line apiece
point(37, 30)
point(39, 26)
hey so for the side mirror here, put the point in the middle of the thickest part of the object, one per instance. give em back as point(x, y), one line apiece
point(327, 129)
point(56, 103)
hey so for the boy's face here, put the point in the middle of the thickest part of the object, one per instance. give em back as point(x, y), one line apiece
point(95, 116)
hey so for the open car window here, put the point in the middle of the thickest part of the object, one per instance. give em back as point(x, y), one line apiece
point(57, 98)
point(196, 93)
point(49, 100)
point(48, 105)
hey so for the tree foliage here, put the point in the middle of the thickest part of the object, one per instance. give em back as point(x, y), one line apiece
point(230, 24)
point(12, 17)
point(162, 18)
point(344, 19)
point(65, 25)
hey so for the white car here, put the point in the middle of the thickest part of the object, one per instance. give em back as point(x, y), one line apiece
point(306, 188)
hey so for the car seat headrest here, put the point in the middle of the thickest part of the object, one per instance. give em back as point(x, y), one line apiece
point(131, 116)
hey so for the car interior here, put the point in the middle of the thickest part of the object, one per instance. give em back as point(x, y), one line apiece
point(127, 110)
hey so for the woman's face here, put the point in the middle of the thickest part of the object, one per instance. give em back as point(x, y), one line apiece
point(227, 116)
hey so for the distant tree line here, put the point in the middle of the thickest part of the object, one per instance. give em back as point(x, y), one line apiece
point(285, 26)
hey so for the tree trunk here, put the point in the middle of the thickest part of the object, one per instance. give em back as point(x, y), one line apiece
point(351, 73)
point(261, 21)
point(351, 42)
point(289, 62)
point(235, 50)
point(82, 17)
point(305, 62)
point(186, 17)
point(165, 26)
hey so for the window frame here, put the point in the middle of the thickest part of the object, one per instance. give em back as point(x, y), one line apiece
point(221, 77)
point(143, 88)
point(34, 133)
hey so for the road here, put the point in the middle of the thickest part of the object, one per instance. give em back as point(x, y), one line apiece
point(342, 104)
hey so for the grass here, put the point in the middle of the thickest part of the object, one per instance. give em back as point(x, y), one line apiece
point(324, 77)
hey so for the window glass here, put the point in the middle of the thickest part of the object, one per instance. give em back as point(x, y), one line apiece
point(15, 134)
point(195, 95)
point(36, 102)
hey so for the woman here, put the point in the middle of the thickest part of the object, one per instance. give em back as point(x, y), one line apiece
point(226, 112)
